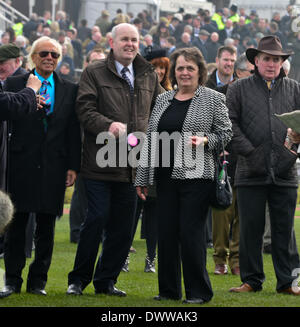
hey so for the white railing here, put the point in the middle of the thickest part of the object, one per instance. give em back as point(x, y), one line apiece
point(9, 14)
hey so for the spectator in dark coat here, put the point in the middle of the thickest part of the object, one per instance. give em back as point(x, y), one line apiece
point(201, 42)
point(30, 26)
point(77, 47)
point(45, 155)
point(185, 41)
point(15, 106)
point(208, 26)
point(266, 167)
point(173, 25)
point(84, 32)
point(212, 47)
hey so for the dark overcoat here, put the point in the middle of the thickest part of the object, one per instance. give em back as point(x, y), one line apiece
point(39, 160)
point(12, 106)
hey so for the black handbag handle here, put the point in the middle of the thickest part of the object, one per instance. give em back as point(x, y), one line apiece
point(220, 147)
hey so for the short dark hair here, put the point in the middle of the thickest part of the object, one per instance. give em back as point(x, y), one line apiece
point(137, 21)
point(171, 40)
point(230, 49)
point(189, 54)
point(88, 56)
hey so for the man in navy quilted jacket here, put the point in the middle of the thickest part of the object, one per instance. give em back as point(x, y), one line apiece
point(266, 166)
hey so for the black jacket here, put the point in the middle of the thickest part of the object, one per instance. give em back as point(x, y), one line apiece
point(12, 106)
point(212, 80)
point(258, 135)
point(201, 46)
point(38, 160)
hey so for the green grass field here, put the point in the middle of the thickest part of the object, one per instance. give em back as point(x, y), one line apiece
point(140, 286)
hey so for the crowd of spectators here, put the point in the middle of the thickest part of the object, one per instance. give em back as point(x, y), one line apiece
point(222, 37)
point(205, 30)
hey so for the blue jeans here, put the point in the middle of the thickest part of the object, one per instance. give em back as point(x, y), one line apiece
point(110, 218)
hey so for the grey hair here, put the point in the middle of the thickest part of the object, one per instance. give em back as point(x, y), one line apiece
point(43, 39)
point(115, 29)
point(286, 66)
point(6, 211)
point(20, 40)
point(188, 27)
point(148, 36)
point(228, 42)
point(241, 62)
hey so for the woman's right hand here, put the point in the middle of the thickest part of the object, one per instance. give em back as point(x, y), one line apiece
point(142, 192)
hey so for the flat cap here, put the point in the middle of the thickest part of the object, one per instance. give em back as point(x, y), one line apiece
point(9, 51)
point(204, 32)
point(105, 13)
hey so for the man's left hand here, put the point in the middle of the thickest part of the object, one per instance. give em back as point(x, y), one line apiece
point(71, 177)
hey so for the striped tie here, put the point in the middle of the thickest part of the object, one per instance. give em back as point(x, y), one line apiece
point(124, 75)
point(47, 106)
point(44, 92)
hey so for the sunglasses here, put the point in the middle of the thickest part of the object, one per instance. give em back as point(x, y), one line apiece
point(44, 54)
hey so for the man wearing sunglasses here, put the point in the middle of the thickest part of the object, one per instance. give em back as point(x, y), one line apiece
point(44, 154)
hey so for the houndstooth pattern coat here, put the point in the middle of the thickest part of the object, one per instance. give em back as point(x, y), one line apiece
point(207, 115)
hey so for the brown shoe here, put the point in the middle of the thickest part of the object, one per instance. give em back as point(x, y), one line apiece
point(291, 290)
point(235, 271)
point(221, 269)
point(244, 288)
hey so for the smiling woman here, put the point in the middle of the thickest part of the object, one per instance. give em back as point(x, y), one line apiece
point(200, 117)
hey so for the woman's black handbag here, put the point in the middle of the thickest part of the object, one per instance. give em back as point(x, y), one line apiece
point(222, 197)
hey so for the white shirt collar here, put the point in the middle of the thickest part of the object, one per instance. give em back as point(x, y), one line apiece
point(119, 67)
point(219, 83)
point(130, 73)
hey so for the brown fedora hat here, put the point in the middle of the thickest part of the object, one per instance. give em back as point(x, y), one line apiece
point(269, 44)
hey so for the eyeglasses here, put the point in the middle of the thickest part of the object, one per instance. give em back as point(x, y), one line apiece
point(44, 54)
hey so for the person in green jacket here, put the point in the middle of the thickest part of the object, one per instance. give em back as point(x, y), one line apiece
point(218, 18)
point(234, 16)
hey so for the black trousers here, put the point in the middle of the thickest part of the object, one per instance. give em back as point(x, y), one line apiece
point(14, 250)
point(78, 209)
point(282, 204)
point(182, 215)
point(111, 208)
point(150, 221)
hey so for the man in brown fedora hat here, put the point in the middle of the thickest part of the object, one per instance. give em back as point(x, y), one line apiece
point(266, 167)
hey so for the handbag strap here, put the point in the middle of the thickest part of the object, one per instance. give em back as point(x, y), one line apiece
point(220, 149)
